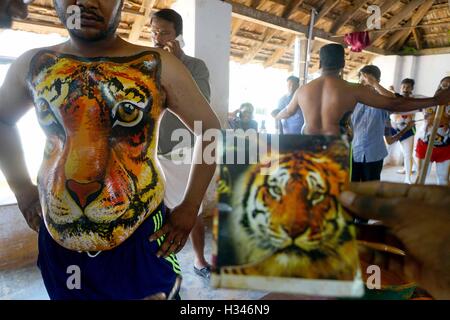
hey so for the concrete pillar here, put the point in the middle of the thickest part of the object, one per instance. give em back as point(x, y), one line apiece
point(207, 30)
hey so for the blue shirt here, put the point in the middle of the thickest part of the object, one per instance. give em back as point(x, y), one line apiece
point(368, 134)
point(294, 124)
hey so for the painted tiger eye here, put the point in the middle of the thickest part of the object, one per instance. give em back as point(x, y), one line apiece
point(42, 105)
point(127, 112)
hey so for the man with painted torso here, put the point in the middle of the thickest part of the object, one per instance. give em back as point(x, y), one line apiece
point(100, 190)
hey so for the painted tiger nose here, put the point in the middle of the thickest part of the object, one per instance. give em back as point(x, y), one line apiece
point(83, 193)
point(295, 230)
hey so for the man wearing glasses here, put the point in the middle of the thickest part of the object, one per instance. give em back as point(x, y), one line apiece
point(166, 31)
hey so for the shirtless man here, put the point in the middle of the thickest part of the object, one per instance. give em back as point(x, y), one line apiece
point(100, 190)
point(326, 100)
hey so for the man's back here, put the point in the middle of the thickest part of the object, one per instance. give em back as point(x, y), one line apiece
point(324, 103)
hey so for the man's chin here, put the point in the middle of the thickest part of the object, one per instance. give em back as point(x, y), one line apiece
point(88, 35)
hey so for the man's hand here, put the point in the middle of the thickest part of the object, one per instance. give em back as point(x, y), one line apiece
point(176, 229)
point(174, 48)
point(369, 79)
point(443, 97)
point(420, 217)
point(29, 205)
point(275, 112)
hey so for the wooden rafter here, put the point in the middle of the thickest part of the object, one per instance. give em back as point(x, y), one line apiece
point(268, 35)
point(417, 38)
point(402, 35)
point(349, 13)
point(385, 7)
point(140, 22)
point(290, 8)
point(255, 3)
point(396, 19)
point(280, 51)
point(236, 26)
point(326, 9)
point(276, 22)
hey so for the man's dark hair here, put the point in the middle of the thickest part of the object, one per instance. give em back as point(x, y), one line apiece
point(293, 79)
point(409, 81)
point(372, 70)
point(171, 16)
point(332, 57)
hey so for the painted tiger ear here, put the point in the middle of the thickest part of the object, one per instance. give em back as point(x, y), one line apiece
point(40, 62)
point(149, 64)
point(340, 150)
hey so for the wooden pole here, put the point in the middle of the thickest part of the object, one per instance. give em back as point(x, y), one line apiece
point(437, 121)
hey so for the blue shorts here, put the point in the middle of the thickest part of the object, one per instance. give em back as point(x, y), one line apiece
point(406, 135)
point(128, 272)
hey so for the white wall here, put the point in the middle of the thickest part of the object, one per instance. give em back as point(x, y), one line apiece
point(430, 71)
point(207, 29)
point(427, 71)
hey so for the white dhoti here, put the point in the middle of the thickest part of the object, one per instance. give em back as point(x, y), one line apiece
point(176, 167)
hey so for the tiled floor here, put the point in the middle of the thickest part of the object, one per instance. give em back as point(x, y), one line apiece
point(26, 283)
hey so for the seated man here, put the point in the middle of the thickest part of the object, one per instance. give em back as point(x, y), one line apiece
point(100, 190)
point(243, 118)
point(327, 100)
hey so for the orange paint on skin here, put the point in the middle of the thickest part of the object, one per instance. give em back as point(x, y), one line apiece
point(97, 167)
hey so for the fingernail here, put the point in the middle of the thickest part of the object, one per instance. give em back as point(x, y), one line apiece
point(347, 197)
point(151, 239)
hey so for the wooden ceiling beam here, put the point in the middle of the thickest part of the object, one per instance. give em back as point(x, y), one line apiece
point(385, 7)
point(280, 52)
point(290, 8)
point(141, 21)
point(268, 35)
point(236, 26)
point(417, 38)
point(325, 9)
point(415, 20)
point(276, 22)
point(396, 19)
point(347, 15)
point(428, 52)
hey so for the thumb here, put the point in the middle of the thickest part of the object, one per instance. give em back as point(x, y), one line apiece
point(371, 207)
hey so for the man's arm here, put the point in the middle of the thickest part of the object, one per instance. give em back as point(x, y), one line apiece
point(291, 109)
point(368, 96)
point(182, 94)
point(377, 86)
point(391, 139)
point(15, 101)
point(201, 78)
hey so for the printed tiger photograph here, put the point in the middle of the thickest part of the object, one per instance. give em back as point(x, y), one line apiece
point(285, 223)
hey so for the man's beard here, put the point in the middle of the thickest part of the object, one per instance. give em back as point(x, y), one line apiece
point(101, 35)
point(78, 34)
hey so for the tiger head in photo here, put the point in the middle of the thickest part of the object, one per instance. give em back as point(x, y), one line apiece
point(288, 222)
point(99, 179)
